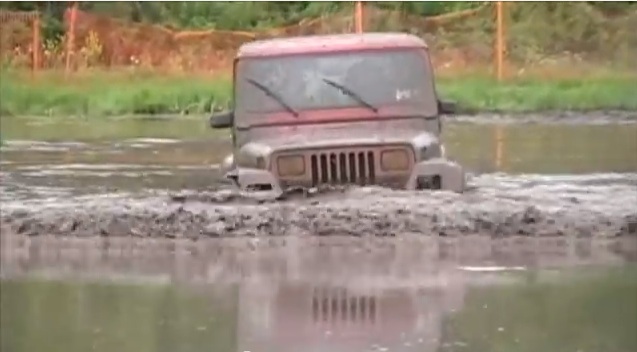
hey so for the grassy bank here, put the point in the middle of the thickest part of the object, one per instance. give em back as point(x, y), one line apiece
point(101, 93)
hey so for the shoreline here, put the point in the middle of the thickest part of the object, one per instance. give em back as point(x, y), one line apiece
point(566, 116)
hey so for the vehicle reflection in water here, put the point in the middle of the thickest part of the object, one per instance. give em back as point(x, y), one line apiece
point(305, 317)
point(520, 295)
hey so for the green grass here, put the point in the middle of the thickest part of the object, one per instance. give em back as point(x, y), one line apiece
point(532, 94)
point(101, 93)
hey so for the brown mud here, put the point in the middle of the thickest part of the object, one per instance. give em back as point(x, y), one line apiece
point(130, 217)
point(496, 205)
point(562, 177)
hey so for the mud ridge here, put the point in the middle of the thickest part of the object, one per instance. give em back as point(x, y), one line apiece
point(497, 206)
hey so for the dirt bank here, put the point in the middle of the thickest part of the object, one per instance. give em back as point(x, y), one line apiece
point(600, 205)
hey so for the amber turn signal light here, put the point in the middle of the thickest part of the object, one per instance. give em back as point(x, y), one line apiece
point(292, 165)
point(394, 160)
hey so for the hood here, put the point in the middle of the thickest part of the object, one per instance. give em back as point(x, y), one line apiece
point(280, 138)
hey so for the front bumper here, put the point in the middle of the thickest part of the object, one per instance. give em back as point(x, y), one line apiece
point(438, 174)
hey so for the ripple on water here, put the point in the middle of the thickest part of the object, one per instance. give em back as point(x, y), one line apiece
point(26, 145)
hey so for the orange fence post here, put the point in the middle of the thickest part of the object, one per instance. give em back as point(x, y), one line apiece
point(70, 37)
point(358, 17)
point(499, 57)
point(36, 42)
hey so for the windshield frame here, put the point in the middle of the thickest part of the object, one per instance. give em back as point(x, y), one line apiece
point(422, 51)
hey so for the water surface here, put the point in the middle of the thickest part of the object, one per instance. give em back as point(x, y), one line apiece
point(489, 297)
point(359, 294)
point(134, 154)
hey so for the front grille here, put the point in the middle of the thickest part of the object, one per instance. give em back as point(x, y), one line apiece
point(337, 306)
point(350, 167)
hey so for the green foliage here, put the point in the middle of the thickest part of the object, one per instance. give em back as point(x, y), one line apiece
point(246, 15)
point(223, 15)
point(242, 15)
point(52, 13)
point(539, 34)
point(428, 8)
point(540, 30)
point(536, 31)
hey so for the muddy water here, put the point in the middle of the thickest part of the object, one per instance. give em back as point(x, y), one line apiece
point(177, 153)
point(96, 255)
point(115, 177)
point(135, 154)
point(101, 156)
point(318, 295)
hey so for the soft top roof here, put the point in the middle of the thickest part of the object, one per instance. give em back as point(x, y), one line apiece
point(329, 43)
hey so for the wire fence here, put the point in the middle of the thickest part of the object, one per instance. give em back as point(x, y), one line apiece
point(19, 35)
point(537, 37)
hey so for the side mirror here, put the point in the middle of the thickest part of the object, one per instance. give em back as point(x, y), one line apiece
point(447, 107)
point(222, 119)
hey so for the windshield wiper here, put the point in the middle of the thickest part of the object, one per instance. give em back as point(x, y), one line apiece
point(350, 93)
point(273, 95)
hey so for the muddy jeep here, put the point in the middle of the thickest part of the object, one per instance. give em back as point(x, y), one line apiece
point(337, 109)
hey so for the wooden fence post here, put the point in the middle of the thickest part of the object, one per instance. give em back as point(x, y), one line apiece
point(70, 37)
point(358, 17)
point(499, 57)
point(36, 42)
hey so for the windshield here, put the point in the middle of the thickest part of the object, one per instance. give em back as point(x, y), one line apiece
point(368, 79)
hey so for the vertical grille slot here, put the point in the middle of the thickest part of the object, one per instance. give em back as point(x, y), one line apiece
point(334, 169)
point(335, 306)
point(362, 304)
point(342, 165)
point(361, 168)
point(316, 306)
point(314, 170)
point(352, 308)
point(372, 309)
point(343, 302)
point(323, 167)
point(325, 308)
point(352, 168)
point(372, 167)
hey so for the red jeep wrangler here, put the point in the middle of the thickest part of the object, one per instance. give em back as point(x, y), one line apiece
point(337, 109)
